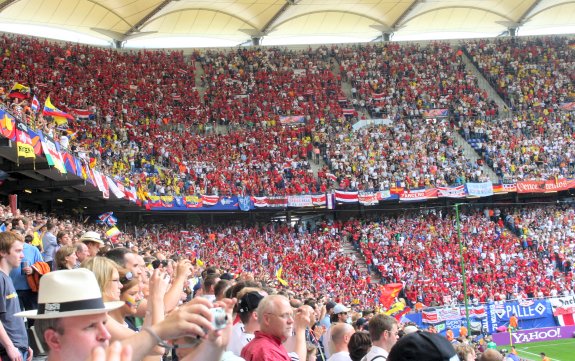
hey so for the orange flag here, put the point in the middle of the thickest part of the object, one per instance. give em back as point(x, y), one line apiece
point(389, 292)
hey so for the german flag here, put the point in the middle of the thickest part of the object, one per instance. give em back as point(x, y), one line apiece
point(19, 91)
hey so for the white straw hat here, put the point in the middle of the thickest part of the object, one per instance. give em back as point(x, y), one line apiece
point(91, 236)
point(69, 293)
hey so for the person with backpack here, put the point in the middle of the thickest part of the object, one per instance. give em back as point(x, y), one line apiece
point(384, 333)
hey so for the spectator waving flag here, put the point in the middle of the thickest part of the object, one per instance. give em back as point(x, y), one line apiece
point(35, 104)
point(19, 91)
point(113, 232)
point(108, 218)
point(59, 116)
point(389, 292)
point(279, 271)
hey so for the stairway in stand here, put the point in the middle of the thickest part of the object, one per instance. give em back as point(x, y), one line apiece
point(348, 250)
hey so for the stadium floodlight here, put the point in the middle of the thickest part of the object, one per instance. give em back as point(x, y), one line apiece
point(59, 200)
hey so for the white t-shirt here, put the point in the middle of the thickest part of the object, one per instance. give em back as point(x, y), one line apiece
point(239, 339)
point(340, 356)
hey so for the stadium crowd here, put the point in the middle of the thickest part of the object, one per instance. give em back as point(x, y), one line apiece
point(535, 76)
point(529, 259)
point(500, 265)
point(395, 80)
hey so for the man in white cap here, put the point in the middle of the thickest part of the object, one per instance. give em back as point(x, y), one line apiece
point(338, 315)
point(93, 241)
point(71, 321)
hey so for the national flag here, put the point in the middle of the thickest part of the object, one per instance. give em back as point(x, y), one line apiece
point(118, 193)
point(19, 91)
point(24, 142)
point(131, 194)
point(35, 104)
point(108, 218)
point(53, 156)
point(566, 319)
point(400, 315)
point(279, 271)
point(182, 71)
point(59, 116)
point(210, 200)
point(7, 128)
point(318, 199)
point(388, 293)
point(349, 111)
point(83, 114)
point(113, 232)
point(331, 177)
point(346, 197)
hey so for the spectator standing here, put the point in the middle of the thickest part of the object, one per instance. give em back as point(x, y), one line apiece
point(28, 299)
point(276, 319)
point(49, 244)
point(340, 336)
point(383, 331)
point(13, 336)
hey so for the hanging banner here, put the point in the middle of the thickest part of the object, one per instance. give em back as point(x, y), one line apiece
point(451, 192)
point(418, 195)
point(53, 156)
point(548, 186)
point(368, 198)
point(304, 200)
point(484, 189)
point(531, 313)
point(7, 125)
point(346, 196)
point(564, 310)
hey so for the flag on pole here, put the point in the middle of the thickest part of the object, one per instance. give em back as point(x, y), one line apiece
point(279, 271)
point(19, 91)
point(59, 116)
point(388, 293)
point(35, 104)
point(113, 232)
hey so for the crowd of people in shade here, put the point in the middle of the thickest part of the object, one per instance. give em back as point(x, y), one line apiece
point(535, 76)
point(510, 253)
point(530, 257)
point(150, 121)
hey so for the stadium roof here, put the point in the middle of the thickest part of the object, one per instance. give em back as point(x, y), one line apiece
point(233, 22)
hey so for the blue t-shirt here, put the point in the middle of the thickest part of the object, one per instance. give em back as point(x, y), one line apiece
point(31, 255)
point(9, 305)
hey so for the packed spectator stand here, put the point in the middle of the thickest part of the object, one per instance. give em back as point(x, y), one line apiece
point(535, 77)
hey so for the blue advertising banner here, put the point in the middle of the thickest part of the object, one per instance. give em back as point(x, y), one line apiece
point(530, 313)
